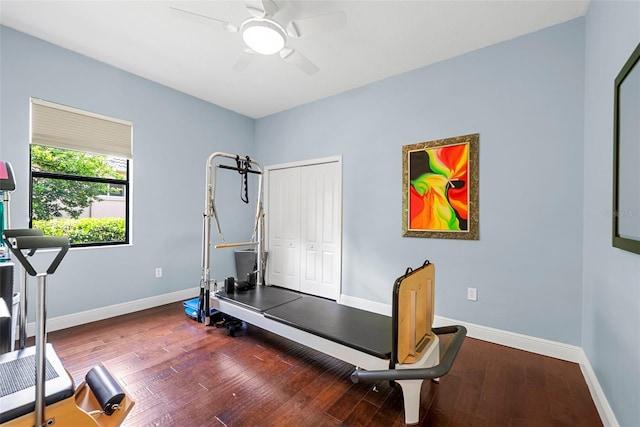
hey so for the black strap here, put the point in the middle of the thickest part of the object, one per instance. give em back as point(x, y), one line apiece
point(244, 166)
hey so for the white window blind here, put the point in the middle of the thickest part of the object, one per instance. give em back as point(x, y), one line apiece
point(69, 128)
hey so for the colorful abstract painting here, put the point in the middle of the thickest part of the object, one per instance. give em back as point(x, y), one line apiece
point(440, 188)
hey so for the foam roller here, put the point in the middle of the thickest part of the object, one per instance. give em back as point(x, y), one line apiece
point(105, 388)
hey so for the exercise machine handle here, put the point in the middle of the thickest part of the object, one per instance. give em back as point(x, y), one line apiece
point(437, 371)
point(16, 232)
point(33, 241)
point(23, 232)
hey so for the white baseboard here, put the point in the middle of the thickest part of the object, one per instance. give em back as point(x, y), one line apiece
point(599, 399)
point(536, 345)
point(510, 339)
point(75, 319)
point(363, 304)
point(528, 343)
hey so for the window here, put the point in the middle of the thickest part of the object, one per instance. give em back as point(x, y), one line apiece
point(80, 170)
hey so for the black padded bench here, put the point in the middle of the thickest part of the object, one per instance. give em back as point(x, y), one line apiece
point(359, 329)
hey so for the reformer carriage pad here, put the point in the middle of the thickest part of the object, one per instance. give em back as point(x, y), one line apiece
point(17, 388)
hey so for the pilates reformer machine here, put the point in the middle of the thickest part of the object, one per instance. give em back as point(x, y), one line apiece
point(404, 349)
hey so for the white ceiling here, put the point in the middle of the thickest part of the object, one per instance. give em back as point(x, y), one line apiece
point(382, 38)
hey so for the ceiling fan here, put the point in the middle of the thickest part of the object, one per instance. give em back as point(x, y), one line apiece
point(263, 35)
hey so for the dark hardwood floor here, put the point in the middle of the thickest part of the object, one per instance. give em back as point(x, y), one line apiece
point(182, 374)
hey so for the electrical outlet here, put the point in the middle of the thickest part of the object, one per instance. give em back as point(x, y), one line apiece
point(472, 294)
point(158, 272)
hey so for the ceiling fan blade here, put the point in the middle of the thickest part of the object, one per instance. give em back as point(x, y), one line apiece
point(297, 59)
point(245, 58)
point(316, 24)
point(202, 19)
point(261, 8)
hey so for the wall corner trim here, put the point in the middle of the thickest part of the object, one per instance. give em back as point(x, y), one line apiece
point(597, 394)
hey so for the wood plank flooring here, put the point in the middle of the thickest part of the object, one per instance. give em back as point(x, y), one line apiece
point(183, 374)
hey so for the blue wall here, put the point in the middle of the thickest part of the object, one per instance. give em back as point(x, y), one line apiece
point(611, 313)
point(173, 135)
point(525, 99)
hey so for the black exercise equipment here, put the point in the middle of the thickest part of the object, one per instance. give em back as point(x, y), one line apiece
point(244, 166)
point(404, 349)
point(49, 397)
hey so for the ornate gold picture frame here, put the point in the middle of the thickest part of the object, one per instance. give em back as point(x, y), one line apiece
point(440, 188)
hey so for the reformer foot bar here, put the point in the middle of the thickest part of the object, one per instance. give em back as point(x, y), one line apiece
point(404, 348)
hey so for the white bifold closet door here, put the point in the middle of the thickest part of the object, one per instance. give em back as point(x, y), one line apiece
point(283, 217)
point(305, 228)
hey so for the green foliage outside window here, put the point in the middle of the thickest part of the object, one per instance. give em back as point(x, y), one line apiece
point(64, 186)
point(53, 198)
point(85, 230)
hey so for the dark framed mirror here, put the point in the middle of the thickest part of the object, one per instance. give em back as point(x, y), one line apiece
point(626, 156)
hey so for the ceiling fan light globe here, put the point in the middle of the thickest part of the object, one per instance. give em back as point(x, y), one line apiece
point(263, 36)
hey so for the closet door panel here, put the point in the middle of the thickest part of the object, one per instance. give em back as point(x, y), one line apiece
point(284, 228)
point(321, 229)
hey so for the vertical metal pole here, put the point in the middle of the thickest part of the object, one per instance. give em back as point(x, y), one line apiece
point(41, 339)
point(260, 230)
point(22, 320)
point(7, 210)
point(206, 226)
point(206, 244)
point(260, 254)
